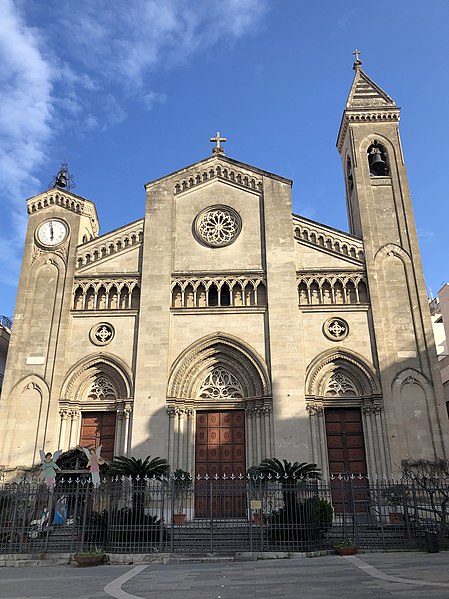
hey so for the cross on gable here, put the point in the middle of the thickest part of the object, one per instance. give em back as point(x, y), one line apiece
point(218, 140)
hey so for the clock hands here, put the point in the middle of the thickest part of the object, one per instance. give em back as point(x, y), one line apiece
point(51, 230)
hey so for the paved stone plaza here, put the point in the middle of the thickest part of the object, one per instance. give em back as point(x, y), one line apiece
point(368, 576)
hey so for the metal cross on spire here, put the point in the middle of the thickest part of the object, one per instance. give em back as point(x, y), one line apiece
point(357, 62)
point(218, 140)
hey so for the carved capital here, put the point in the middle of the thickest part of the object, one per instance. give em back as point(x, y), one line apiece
point(314, 409)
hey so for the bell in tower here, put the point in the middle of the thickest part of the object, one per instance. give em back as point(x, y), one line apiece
point(377, 155)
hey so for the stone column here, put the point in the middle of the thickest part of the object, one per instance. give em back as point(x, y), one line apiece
point(62, 442)
point(171, 412)
point(127, 416)
point(118, 442)
point(75, 424)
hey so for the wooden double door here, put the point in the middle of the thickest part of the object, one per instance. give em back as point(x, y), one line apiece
point(98, 428)
point(220, 454)
point(346, 454)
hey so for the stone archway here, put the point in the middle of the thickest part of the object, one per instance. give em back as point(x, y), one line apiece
point(218, 375)
point(345, 407)
point(96, 405)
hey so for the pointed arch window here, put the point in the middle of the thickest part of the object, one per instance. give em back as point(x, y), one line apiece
point(349, 175)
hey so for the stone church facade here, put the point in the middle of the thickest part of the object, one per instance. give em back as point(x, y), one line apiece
point(220, 329)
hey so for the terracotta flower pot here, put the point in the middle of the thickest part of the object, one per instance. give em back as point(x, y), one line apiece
point(179, 518)
point(84, 561)
point(346, 550)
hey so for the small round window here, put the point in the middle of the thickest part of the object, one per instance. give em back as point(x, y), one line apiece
point(102, 334)
point(336, 329)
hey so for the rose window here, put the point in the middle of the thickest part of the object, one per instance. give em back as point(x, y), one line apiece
point(217, 226)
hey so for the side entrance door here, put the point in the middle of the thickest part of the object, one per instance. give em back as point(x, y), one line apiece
point(220, 452)
point(346, 454)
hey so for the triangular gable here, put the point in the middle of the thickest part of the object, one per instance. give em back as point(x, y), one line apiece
point(365, 93)
point(221, 166)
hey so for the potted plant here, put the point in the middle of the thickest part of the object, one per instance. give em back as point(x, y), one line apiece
point(92, 557)
point(394, 498)
point(182, 485)
point(346, 547)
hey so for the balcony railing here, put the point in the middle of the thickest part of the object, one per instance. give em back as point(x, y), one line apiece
point(6, 322)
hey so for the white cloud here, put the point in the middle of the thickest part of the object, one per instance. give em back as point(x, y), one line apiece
point(53, 74)
point(150, 99)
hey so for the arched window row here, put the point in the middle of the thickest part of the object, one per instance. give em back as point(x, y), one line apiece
point(223, 173)
point(107, 248)
point(101, 295)
point(329, 242)
point(206, 293)
point(55, 199)
point(339, 289)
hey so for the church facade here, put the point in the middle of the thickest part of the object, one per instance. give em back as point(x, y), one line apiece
point(220, 329)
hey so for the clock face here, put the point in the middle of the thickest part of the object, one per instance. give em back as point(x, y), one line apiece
point(52, 232)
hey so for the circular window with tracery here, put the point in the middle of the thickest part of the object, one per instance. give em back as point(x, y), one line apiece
point(102, 334)
point(336, 329)
point(217, 226)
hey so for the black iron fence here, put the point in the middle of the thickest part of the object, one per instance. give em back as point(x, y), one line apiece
point(221, 515)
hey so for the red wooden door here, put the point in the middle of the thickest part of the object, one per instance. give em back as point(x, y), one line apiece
point(98, 428)
point(220, 451)
point(346, 454)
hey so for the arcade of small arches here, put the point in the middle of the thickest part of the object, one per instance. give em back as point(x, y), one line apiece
point(107, 248)
point(218, 292)
point(106, 295)
point(332, 289)
point(311, 234)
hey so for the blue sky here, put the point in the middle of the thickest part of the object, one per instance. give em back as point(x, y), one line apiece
point(129, 92)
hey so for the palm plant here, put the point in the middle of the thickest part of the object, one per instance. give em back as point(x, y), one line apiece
point(136, 468)
point(138, 471)
point(288, 474)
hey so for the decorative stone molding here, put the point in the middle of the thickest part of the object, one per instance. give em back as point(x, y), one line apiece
point(218, 350)
point(83, 373)
point(321, 369)
point(106, 293)
point(314, 409)
point(336, 329)
point(60, 251)
point(110, 244)
point(217, 226)
point(226, 173)
point(102, 334)
point(337, 243)
point(356, 116)
point(339, 288)
point(58, 197)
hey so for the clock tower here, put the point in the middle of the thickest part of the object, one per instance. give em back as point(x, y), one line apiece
point(58, 221)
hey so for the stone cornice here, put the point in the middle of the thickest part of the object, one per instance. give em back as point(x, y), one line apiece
point(67, 200)
point(362, 115)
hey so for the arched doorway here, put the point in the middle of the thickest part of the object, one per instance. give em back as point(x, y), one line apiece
point(96, 407)
point(219, 408)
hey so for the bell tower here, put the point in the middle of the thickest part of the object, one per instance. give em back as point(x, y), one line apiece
point(380, 213)
point(58, 221)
